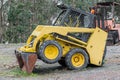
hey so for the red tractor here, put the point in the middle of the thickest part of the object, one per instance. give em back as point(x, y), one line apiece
point(108, 19)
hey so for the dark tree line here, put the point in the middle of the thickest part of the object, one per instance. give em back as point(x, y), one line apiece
point(18, 18)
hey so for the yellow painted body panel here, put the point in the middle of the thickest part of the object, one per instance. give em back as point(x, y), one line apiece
point(94, 46)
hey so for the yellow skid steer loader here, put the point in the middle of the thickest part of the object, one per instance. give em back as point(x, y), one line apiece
point(72, 41)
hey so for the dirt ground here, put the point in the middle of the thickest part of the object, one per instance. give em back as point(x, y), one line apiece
point(8, 65)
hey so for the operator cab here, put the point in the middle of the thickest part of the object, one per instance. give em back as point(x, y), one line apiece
point(73, 17)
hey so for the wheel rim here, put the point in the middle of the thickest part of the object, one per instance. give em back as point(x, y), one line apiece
point(51, 52)
point(77, 60)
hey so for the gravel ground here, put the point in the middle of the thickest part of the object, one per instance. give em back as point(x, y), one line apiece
point(110, 70)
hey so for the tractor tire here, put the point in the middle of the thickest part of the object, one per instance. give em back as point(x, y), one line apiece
point(50, 51)
point(62, 62)
point(103, 59)
point(76, 59)
point(115, 37)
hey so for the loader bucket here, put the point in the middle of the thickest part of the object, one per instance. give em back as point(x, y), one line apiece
point(26, 61)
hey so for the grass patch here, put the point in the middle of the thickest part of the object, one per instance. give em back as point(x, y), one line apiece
point(16, 72)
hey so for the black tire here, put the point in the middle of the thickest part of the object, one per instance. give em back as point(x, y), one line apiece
point(71, 54)
point(62, 62)
point(115, 36)
point(103, 59)
point(115, 39)
point(48, 59)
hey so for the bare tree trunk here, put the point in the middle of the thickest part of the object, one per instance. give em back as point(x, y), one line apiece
point(73, 3)
point(1, 9)
point(33, 10)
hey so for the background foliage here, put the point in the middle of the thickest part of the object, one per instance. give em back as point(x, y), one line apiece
point(18, 18)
